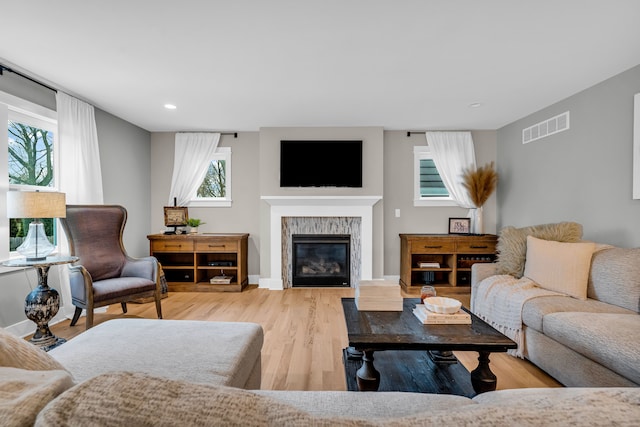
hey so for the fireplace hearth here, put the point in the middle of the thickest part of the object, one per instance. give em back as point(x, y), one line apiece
point(321, 260)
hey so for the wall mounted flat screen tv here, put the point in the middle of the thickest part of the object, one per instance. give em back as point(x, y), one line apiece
point(320, 163)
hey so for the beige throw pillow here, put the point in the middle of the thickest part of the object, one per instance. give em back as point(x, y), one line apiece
point(23, 393)
point(18, 353)
point(512, 243)
point(559, 267)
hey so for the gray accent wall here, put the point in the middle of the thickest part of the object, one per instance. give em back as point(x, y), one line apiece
point(583, 174)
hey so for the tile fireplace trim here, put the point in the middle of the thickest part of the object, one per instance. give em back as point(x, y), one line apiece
point(310, 206)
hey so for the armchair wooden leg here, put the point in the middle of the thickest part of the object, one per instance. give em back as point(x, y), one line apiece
point(124, 307)
point(158, 307)
point(89, 323)
point(76, 316)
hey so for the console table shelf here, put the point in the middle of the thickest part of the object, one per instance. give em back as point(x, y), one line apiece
point(190, 261)
point(449, 258)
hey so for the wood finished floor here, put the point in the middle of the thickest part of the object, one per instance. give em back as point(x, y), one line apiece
point(304, 334)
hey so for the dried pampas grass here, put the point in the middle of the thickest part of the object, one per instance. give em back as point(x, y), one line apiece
point(480, 183)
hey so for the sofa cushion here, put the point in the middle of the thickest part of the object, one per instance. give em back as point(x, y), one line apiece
point(615, 277)
point(512, 243)
point(559, 266)
point(23, 393)
point(137, 399)
point(224, 353)
point(18, 353)
point(365, 405)
point(534, 310)
point(609, 339)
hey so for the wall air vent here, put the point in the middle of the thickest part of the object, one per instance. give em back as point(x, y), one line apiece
point(548, 127)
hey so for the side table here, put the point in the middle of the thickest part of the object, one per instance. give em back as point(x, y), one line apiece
point(43, 303)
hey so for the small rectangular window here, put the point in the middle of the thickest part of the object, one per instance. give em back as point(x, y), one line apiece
point(429, 190)
point(215, 190)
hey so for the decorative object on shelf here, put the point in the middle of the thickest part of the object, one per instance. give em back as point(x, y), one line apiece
point(175, 216)
point(193, 224)
point(36, 205)
point(459, 225)
point(480, 183)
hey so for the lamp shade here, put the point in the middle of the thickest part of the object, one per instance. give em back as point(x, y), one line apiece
point(36, 204)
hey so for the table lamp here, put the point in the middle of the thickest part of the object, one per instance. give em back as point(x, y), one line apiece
point(36, 205)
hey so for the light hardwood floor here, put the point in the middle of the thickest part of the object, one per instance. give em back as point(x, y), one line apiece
point(304, 335)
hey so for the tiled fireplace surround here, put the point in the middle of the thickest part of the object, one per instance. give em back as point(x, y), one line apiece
point(319, 215)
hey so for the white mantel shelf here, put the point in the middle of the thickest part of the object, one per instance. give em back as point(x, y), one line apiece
point(322, 200)
point(310, 206)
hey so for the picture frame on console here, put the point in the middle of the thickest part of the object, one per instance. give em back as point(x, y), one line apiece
point(459, 225)
point(175, 216)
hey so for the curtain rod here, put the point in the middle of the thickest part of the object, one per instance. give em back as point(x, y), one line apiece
point(235, 134)
point(414, 132)
point(24, 76)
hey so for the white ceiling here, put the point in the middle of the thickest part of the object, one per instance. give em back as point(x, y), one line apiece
point(239, 65)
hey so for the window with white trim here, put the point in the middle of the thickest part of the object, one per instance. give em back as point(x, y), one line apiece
point(32, 161)
point(215, 190)
point(428, 188)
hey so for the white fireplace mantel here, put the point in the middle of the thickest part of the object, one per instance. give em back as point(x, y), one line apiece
point(318, 206)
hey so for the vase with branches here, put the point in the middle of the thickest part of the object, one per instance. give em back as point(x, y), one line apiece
point(480, 183)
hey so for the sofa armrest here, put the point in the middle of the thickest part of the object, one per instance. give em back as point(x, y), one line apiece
point(479, 272)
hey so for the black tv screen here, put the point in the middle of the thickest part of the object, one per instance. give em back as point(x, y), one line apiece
point(320, 163)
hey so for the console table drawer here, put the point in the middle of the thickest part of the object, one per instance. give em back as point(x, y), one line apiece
point(477, 246)
point(172, 246)
point(427, 246)
point(218, 245)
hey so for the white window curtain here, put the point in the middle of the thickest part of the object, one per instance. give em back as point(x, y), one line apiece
point(453, 152)
point(80, 174)
point(193, 153)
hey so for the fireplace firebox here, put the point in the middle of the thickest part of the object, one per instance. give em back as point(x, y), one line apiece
point(321, 260)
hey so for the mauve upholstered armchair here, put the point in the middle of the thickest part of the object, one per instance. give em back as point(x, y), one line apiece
point(105, 274)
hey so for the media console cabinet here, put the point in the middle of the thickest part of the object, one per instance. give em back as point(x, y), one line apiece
point(190, 261)
point(442, 260)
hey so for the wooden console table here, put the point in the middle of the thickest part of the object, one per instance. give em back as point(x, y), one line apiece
point(454, 255)
point(190, 261)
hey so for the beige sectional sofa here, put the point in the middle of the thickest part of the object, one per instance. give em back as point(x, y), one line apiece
point(135, 372)
point(582, 342)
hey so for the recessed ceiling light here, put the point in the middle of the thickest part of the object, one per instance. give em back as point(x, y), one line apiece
point(475, 105)
point(170, 106)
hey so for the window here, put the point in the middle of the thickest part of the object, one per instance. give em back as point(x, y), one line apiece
point(32, 162)
point(215, 190)
point(429, 190)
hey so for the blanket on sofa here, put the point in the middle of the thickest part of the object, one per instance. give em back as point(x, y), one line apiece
point(499, 301)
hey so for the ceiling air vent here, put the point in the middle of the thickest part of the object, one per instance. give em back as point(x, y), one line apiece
point(548, 127)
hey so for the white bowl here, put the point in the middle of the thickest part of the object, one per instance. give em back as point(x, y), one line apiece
point(442, 305)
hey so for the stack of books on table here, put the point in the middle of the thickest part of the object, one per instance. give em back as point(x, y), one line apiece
point(378, 295)
point(431, 318)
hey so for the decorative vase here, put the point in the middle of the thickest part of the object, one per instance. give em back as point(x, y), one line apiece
point(479, 225)
point(193, 230)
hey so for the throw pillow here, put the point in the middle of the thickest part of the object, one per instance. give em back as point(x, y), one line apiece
point(559, 267)
point(18, 353)
point(24, 393)
point(512, 243)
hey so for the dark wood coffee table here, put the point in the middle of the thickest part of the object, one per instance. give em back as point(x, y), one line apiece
point(371, 331)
